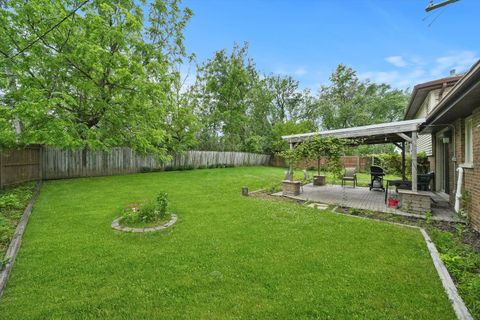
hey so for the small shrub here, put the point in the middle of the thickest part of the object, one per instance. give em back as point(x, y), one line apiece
point(130, 216)
point(162, 202)
point(9, 201)
point(5, 231)
point(428, 217)
point(149, 212)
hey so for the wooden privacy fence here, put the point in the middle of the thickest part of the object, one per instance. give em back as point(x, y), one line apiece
point(34, 163)
point(58, 164)
point(20, 165)
point(362, 163)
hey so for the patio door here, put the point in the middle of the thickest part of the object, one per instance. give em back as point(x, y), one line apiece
point(442, 163)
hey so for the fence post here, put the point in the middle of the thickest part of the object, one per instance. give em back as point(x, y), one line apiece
point(40, 163)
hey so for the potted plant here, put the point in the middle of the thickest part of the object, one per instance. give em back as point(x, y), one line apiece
point(393, 201)
point(290, 186)
point(319, 179)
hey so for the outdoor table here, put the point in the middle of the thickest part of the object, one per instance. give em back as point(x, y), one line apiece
point(397, 183)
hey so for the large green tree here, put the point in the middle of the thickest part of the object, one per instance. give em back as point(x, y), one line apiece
point(223, 95)
point(102, 77)
point(241, 109)
point(349, 102)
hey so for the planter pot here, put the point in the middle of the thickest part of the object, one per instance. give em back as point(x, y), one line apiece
point(319, 180)
point(291, 188)
point(393, 203)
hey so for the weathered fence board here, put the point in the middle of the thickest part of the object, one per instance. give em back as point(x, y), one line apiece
point(58, 164)
point(362, 163)
point(20, 165)
point(34, 163)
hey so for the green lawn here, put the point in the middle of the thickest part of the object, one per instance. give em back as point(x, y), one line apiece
point(227, 257)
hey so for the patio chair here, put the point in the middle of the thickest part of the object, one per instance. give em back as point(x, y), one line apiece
point(350, 175)
point(424, 181)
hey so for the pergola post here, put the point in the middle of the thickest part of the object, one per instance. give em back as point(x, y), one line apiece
point(290, 166)
point(414, 161)
point(404, 167)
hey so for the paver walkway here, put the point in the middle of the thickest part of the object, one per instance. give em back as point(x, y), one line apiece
point(362, 198)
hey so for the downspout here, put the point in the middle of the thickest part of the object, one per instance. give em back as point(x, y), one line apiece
point(454, 159)
point(458, 194)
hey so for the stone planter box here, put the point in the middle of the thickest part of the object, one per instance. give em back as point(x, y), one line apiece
point(319, 180)
point(291, 188)
point(415, 202)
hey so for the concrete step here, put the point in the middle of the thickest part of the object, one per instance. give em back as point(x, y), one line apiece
point(440, 204)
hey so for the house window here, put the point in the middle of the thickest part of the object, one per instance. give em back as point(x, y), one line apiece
point(469, 141)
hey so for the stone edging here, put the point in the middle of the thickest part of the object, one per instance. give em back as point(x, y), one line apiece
point(116, 225)
point(16, 241)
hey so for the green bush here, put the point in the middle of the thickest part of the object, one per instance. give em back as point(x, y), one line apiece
point(392, 163)
point(149, 212)
point(162, 202)
point(463, 263)
point(9, 202)
point(5, 231)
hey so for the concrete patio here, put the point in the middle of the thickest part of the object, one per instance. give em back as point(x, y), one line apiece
point(363, 198)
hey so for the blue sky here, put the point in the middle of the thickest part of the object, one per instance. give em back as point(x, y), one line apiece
point(384, 40)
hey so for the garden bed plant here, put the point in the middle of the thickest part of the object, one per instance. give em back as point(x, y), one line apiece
point(13, 201)
point(150, 214)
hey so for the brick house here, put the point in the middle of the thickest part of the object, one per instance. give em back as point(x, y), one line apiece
point(424, 98)
point(453, 124)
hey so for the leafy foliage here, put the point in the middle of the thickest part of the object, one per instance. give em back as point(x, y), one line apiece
point(102, 78)
point(392, 163)
point(348, 102)
point(12, 202)
point(463, 263)
point(330, 147)
point(149, 212)
point(242, 110)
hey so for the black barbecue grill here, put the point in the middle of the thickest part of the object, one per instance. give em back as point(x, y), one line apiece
point(376, 177)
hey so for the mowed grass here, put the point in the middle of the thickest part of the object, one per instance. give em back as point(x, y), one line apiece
point(228, 257)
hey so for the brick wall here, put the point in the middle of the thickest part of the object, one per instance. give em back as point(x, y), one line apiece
point(471, 178)
point(472, 175)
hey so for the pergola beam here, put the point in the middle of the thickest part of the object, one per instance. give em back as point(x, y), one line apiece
point(371, 134)
point(404, 136)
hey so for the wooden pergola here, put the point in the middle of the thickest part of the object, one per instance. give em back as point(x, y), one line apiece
point(397, 133)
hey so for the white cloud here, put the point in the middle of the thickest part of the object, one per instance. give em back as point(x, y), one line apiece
point(409, 72)
point(397, 61)
point(460, 61)
point(300, 72)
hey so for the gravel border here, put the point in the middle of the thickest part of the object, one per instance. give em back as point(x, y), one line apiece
point(116, 226)
point(16, 241)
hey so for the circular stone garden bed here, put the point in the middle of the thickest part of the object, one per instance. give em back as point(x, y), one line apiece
point(117, 226)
